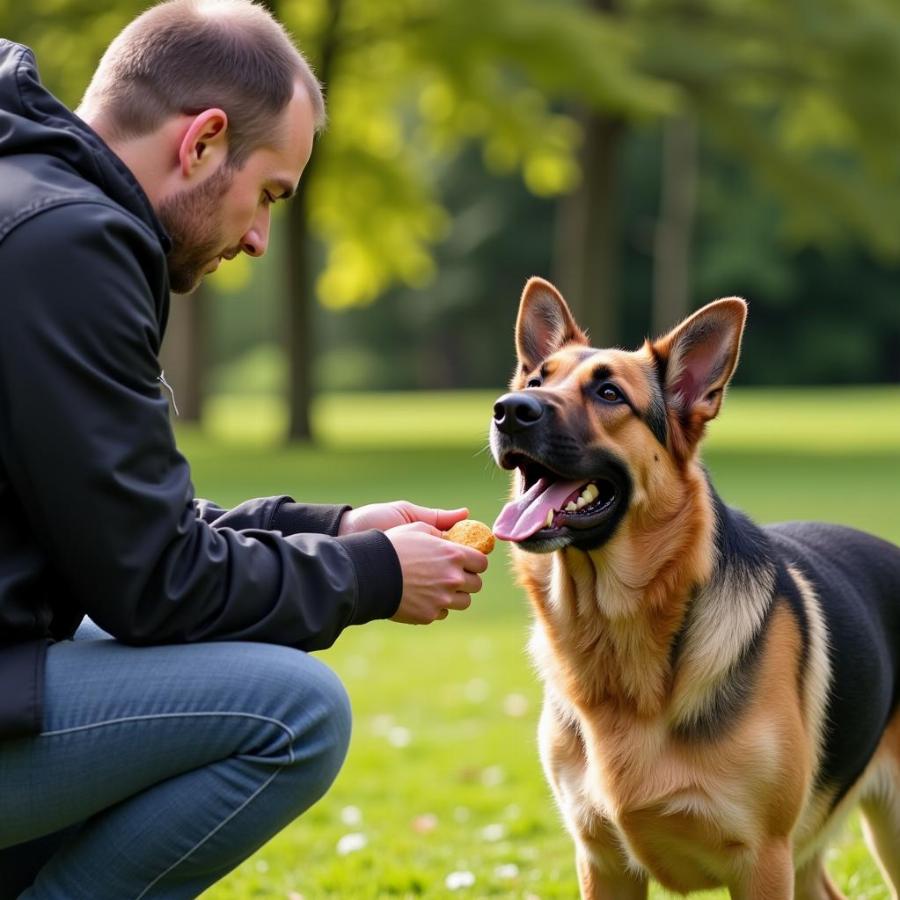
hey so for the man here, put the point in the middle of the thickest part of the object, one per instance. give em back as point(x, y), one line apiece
point(182, 727)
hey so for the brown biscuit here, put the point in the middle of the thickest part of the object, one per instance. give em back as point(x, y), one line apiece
point(473, 534)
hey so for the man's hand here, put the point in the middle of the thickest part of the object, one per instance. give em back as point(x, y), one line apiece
point(438, 575)
point(383, 516)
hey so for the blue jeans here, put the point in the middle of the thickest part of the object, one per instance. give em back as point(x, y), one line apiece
point(162, 768)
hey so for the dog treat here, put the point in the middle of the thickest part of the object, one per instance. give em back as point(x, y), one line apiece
point(473, 534)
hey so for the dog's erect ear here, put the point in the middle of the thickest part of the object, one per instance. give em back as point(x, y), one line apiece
point(696, 361)
point(544, 325)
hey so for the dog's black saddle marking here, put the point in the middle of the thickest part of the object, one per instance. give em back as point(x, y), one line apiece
point(857, 579)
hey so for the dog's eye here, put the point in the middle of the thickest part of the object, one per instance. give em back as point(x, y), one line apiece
point(535, 382)
point(610, 393)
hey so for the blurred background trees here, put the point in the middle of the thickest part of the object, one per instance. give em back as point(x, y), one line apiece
point(648, 155)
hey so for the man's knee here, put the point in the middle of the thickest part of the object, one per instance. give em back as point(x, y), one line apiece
point(321, 725)
point(308, 699)
point(334, 714)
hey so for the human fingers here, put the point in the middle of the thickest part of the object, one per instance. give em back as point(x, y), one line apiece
point(420, 527)
point(447, 518)
point(469, 584)
point(439, 518)
point(473, 560)
point(459, 601)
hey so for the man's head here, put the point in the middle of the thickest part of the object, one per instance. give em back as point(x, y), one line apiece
point(214, 110)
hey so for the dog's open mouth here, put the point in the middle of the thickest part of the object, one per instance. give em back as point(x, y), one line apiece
point(550, 503)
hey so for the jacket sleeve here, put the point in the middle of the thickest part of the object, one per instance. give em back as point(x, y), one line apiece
point(275, 514)
point(86, 439)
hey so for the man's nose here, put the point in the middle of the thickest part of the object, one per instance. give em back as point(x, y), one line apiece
point(256, 238)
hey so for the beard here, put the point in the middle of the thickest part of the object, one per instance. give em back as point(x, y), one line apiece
point(191, 218)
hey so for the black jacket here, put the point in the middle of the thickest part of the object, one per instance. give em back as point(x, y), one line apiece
point(97, 513)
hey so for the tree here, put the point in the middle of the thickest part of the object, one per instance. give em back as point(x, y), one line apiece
point(800, 93)
point(408, 85)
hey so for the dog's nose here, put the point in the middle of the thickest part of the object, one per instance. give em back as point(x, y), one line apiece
point(516, 412)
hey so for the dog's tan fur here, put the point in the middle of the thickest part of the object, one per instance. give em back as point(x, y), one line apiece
point(740, 810)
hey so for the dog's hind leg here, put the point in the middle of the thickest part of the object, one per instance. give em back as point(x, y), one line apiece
point(812, 883)
point(881, 826)
point(880, 806)
point(602, 885)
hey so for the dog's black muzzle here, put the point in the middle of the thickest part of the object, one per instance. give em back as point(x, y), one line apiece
point(527, 434)
point(517, 412)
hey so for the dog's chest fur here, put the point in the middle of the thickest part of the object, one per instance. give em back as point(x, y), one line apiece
point(648, 728)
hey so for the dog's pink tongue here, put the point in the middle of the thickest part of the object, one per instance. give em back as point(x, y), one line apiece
point(521, 518)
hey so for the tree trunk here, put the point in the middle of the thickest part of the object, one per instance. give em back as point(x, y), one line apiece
point(588, 232)
point(588, 235)
point(674, 230)
point(299, 296)
point(184, 356)
point(299, 336)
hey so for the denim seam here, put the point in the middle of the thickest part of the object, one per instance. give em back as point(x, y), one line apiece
point(218, 827)
point(191, 715)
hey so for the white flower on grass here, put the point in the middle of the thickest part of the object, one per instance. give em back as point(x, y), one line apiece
point(462, 814)
point(382, 724)
point(455, 881)
point(493, 832)
point(399, 736)
point(515, 705)
point(350, 843)
point(262, 866)
point(507, 871)
point(493, 776)
point(351, 815)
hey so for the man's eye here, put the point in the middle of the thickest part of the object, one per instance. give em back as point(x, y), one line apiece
point(610, 393)
point(267, 199)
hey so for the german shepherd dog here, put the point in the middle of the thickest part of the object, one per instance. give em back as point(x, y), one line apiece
point(718, 695)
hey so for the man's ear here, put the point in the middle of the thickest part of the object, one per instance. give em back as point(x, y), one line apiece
point(544, 325)
point(696, 361)
point(204, 145)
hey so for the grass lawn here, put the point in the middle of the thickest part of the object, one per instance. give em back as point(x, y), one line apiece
point(442, 794)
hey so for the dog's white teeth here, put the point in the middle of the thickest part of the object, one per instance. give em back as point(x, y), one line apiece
point(590, 493)
point(549, 518)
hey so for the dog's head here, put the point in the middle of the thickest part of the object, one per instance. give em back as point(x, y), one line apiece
point(594, 434)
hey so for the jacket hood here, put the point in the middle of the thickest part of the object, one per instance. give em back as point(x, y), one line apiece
point(32, 120)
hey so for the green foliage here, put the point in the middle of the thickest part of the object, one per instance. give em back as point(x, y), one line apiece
point(803, 93)
point(409, 84)
point(443, 774)
point(67, 36)
point(800, 92)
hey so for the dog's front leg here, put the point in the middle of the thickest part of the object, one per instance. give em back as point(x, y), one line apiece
point(771, 876)
point(598, 883)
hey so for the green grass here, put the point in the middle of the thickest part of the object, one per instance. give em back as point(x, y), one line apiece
point(443, 774)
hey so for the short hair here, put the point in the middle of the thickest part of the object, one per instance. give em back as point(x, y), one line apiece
point(184, 56)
